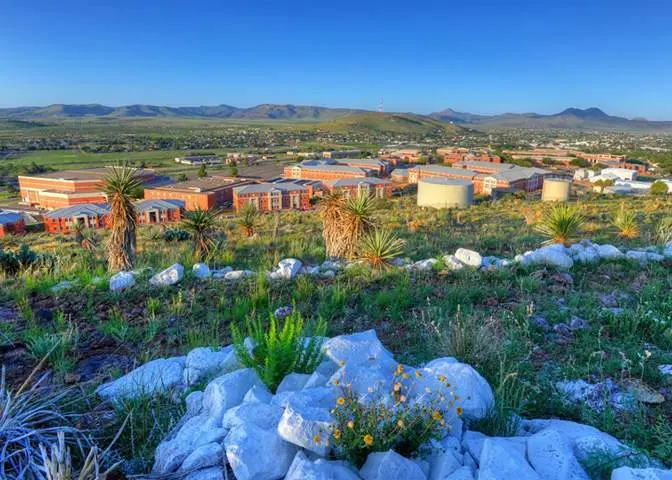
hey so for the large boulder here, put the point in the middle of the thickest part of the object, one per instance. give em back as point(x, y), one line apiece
point(358, 349)
point(121, 281)
point(318, 397)
point(501, 459)
point(292, 382)
point(170, 276)
point(205, 362)
point(157, 376)
point(307, 427)
point(212, 473)
point(228, 391)
point(303, 469)
point(462, 473)
point(627, 473)
point(255, 453)
point(552, 457)
point(262, 415)
point(390, 466)
point(609, 252)
point(469, 257)
point(471, 391)
point(286, 269)
point(551, 255)
point(368, 384)
point(194, 433)
point(201, 270)
point(208, 455)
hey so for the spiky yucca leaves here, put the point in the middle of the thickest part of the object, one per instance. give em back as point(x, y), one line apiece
point(57, 463)
point(560, 223)
point(345, 221)
point(664, 231)
point(380, 247)
point(279, 351)
point(120, 183)
point(202, 226)
point(626, 222)
point(247, 219)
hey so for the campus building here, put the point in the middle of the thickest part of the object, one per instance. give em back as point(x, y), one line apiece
point(325, 170)
point(204, 193)
point(277, 194)
point(65, 220)
point(159, 211)
point(53, 190)
point(372, 186)
point(11, 223)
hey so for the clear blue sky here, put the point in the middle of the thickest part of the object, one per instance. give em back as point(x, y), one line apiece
point(478, 56)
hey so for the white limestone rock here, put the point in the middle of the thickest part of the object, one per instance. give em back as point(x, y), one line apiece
point(551, 255)
point(319, 397)
point(316, 379)
point(255, 453)
point(194, 402)
point(368, 384)
point(201, 270)
point(328, 274)
point(423, 265)
point(228, 391)
point(452, 263)
point(62, 286)
point(258, 394)
point(628, 473)
point(462, 473)
point(443, 463)
point(307, 427)
point(475, 395)
point(303, 469)
point(157, 376)
point(501, 459)
point(474, 441)
point(552, 457)
point(609, 252)
point(287, 269)
point(197, 431)
point(121, 281)
point(310, 270)
point(262, 415)
point(170, 276)
point(221, 272)
point(208, 455)
point(212, 473)
point(358, 349)
point(235, 275)
point(293, 381)
point(390, 466)
point(205, 362)
point(469, 257)
point(333, 265)
point(576, 390)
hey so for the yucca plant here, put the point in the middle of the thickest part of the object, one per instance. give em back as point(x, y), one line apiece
point(247, 219)
point(345, 221)
point(280, 350)
point(560, 223)
point(626, 222)
point(664, 231)
point(57, 463)
point(120, 183)
point(202, 227)
point(380, 247)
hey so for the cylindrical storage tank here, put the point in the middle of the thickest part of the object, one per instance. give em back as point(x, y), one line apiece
point(555, 190)
point(442, 192)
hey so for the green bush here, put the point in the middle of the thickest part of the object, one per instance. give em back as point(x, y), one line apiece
point(279, 351)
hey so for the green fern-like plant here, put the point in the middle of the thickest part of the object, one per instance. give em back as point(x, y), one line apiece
point(280, 350)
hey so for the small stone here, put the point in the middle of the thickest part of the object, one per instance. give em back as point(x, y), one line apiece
point(170, 276)
point(201, 270)
point(121, 281)
point(469, 257)
point(390, 466)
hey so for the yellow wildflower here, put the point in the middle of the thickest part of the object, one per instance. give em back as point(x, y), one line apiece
point(337, 434)
point(404, 375)
point(459, 410)
point(317, 438)
point(340, 401)
point(336, 381)
point(368, 440)
point(341, 363)
point(442, 378)
point(436, 415)
point(400, 368)
point(351, 424)
point(418, 373)
point(400, 423)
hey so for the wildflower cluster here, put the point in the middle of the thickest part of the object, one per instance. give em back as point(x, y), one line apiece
point(402, 419)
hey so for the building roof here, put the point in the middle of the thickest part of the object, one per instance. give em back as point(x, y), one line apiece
point(475, 165)
point(331, 168)
point(269, 187)
point(400, 172)
point(9, 217)
point(364, 161)
point(518, 173)
point(83, 174)
point(353, 182)
point(446, 181)
point(440, 169)
point(158, 204)
point(199, 185)
point(88, 209)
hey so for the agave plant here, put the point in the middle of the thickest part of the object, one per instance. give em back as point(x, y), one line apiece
point(248, 219)
point(626, 222)
point(202, 226)
point(380, 247)
point(120, 184)
point(560, 223)
point(664, 231)
point(345, 221)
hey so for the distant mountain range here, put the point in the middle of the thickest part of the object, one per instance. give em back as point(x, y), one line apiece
point(571, 118)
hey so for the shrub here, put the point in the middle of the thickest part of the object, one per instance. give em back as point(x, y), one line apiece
point(400, 425)
point(380, 247)
point(279, 351)
point(12, 263)
point(247, 219)
point(560, 223)
point(175, 235)
point(626, 222)
point(659, 188)
point(664, 231)
point(201, 226)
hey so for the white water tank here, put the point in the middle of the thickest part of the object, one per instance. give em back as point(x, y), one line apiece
point(440, 192)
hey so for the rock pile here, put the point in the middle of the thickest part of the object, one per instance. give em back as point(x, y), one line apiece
point(236, 423)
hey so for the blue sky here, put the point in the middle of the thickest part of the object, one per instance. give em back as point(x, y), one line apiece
point(478, 56)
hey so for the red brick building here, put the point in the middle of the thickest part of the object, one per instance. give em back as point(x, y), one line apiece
point(279, 194)
point(64, 220)
point(159, 211)
point(325, 170)
point(11, 223)
point(204, 193)
point(66, 188)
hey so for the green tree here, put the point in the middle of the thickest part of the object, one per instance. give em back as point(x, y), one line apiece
point(659, 188)
point(182, 177)
point(202, 172)
point(603, 183)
